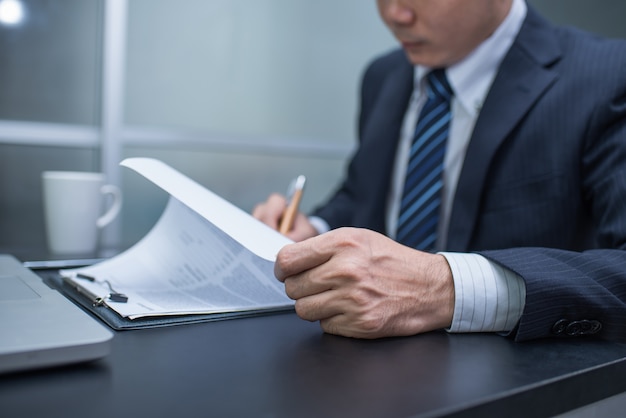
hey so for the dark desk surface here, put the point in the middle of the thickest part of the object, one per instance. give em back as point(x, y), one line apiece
point(281, 366)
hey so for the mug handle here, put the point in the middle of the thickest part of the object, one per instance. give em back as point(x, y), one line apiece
point(114, 210)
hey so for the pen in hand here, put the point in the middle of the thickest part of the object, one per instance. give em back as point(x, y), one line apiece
point(294, 195)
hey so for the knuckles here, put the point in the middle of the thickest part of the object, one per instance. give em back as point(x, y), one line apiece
point(284, 260)
point(349, 238)
point(304, 311)
point(291, 288)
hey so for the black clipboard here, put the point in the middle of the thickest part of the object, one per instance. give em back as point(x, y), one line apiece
point(53, 279)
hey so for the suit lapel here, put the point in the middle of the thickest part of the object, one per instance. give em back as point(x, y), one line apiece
point(523, 77)
point(379, 143)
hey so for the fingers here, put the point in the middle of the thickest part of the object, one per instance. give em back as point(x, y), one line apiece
point(302, 229)
point(339, 315)
point(271, 211)
point(312, 253)
point(319, 306)
point(297, 258)
point(347, 326)
point(312, 281)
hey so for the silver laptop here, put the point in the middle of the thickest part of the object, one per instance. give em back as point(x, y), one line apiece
point(39, 327)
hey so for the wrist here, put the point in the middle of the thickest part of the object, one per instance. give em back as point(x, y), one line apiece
point(444, 289)
point(434, 297)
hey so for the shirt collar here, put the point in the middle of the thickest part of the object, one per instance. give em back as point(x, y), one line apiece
point(471, 78)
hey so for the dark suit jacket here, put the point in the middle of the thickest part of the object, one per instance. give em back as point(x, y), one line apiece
point(543, 187)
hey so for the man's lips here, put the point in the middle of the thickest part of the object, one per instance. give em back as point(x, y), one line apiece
point(412, 44)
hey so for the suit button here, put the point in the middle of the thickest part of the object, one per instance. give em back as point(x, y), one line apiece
point(590, 326)
point(596, 326)
point(574, 328)
point(559, 326)
point(583, 327)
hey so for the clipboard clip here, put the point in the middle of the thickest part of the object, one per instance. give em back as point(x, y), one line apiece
point(113, 296)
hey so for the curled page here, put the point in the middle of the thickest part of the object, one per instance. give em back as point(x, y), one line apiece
point(238, 224)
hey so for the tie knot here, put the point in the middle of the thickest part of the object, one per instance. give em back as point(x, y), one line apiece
point(438, 85)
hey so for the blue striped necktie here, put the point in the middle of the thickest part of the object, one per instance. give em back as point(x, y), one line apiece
point(421, 198)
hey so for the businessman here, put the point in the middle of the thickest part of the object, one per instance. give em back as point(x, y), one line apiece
point(488, 191)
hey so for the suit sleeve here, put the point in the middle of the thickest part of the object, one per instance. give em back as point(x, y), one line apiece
point(578, 294)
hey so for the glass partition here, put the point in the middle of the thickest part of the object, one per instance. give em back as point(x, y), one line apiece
point(50, 62)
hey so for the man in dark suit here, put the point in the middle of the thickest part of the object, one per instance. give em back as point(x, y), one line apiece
point(530, 237)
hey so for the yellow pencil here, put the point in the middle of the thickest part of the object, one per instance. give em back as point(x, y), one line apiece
point(294, 196)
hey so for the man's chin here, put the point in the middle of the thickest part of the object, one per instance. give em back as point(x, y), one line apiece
point(425, 59)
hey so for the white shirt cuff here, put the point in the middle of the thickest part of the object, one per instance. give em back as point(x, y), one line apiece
point(488, 297)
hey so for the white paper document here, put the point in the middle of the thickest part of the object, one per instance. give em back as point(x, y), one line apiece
point(204, 255)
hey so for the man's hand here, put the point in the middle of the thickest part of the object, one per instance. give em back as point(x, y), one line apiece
point(271, 212)
point(359, 283)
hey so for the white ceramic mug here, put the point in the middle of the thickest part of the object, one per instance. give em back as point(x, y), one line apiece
point(73, 205)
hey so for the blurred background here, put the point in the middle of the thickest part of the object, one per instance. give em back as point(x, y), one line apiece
point(241, 96)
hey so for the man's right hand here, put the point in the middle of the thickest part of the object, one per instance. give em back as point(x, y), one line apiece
point(271, 212)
